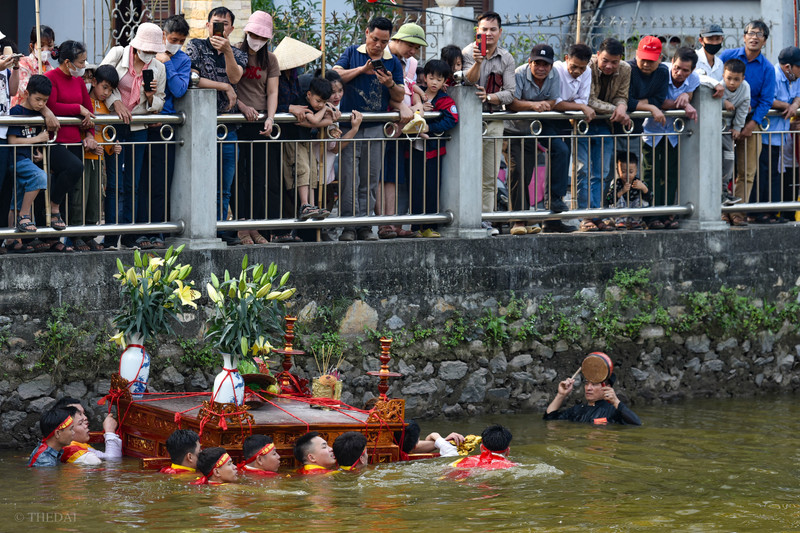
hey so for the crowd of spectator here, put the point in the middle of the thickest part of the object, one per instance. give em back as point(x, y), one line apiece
point(75, 169)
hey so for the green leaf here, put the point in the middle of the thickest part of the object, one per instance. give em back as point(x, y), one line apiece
point(214, 281)
point(244, 262)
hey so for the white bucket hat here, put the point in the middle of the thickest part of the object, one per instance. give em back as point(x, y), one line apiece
point(149, 38)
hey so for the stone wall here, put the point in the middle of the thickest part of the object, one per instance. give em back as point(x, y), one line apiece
point(485, 325)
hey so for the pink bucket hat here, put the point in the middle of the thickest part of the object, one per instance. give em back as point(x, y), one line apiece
point(149, 38)
point(259, 23)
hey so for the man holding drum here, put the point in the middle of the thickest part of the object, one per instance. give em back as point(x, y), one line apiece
point(602, 405)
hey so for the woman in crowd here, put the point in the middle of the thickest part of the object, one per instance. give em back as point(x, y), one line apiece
point(133, 97)
point(259, 186)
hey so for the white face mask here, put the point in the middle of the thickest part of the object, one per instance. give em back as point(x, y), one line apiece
point(44, 54)
point(88, 86)
point(146, 57)
point(255, 43)
point(173, 48)
point(77, 72)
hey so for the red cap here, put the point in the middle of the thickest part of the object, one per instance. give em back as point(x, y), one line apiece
point(649, 48)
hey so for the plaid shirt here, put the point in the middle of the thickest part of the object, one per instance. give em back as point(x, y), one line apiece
point(211, 66)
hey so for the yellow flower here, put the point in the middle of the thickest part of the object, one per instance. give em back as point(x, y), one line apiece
point(213, 294)
point(155, 262)
point(261, 346)
point(119, 338)
point(186, 294)
point(131, 276)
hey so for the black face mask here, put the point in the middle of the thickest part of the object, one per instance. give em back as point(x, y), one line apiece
point(712, 48)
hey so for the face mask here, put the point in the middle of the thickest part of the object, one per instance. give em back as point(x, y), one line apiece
point(77, 72)
point(88, 87)
point(173, 48)
point(255, 44)
point(146, 57)
point(45, 55)
point(712, 48)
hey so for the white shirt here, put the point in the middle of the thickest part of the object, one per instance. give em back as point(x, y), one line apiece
point(651, 126)
point(709, 76)
point(445, 448)
point(573, 89)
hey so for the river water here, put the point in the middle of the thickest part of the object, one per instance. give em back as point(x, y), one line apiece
point(721, 465)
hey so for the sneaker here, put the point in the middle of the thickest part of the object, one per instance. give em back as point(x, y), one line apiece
point(430, 234)
point(347, 235)
point(491, 229)
point(557, 226)
point(558, 205)
point(366, 234)
point(729, 199)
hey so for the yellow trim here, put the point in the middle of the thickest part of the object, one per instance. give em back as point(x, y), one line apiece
point(386, 53)
point(182, 468)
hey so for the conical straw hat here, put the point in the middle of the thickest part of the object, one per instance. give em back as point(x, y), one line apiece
point(292, 53)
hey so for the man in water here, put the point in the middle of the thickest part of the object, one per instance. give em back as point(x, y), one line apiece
point(602, 405)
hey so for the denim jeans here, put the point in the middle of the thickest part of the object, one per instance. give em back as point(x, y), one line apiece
point(227, 155)
point(124, 171)
point(592, 173)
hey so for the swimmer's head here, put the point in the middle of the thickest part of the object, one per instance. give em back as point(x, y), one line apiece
point(496, 438)
point(313, 449)
point(260, 453)
point(350, 449)
point(216, 465)
point(408, 439)
point(183, 447)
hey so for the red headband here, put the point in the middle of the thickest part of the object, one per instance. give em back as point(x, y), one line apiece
point(263, 451)
point(224, 458)
point(63, 425)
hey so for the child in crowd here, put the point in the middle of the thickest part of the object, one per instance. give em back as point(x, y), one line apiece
point(452, 55)
point(30, 177)
point(627, 190)
point(216, 466)
point(495, 445)
point(79, 451)
point(426, 155)
point(58, 430)
point(260, 456)
point(300, 169)
point(86, 197)
point(350, 450)
point(183, 447)
point(313, 452)
point(29, 65)
point(737, 100)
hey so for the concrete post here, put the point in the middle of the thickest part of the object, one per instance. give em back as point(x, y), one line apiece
point(701, 163)
point(446, 25)
point(461, 167)
point(193, 193)
point(781, 15)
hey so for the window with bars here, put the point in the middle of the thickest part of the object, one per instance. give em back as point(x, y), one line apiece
point(414, 8)
point(128, 14)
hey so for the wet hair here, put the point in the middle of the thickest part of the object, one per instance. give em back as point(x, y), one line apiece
point(68, 51)
point(438, 67)
point(253, 444)
point(684, 53)
point(735, 65)
point(302, 445)
point(177, 24)
point(450, 53)
point(380, 23)
point(47, 34)
point(262, 56)
point(627, 157)
point(321, 87)
point(208, 458)
point(491, 15)
point(758, 25)
point(181, 442)
point(580, 51)
point(39, 84)
point(496, 438)
point(408, 439)
point(612, 47)
point(348, 447)
point(51, 419)
point(106, 73)
point(221, 12)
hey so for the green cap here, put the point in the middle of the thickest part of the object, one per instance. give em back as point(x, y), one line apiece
point(411, 33)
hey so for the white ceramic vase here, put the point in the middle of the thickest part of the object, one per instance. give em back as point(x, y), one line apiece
point(229, 384)
point(134, 365)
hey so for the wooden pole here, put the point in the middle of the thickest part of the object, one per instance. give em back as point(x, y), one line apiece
point(321, 200)
point(38, 50)
point(578, 22)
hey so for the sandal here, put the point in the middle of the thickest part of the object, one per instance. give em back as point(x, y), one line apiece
point(245, 238)
point(655, 224)
point(308, 211)
point(94, 246)
point(60, 247)
point(19, 247)
point(56, 222)
point(588, 225)
point(158, 242)
point(671, 223)
point(143, 243)
point(25, 227)
point(621, 225)
point(80, 245)
point(39, 245)
point(605, 225)
point(636, 225)
point(258, 238)
point(738, 221)
point(321, 214)
point(282, 238)
point(404, 233)
point(386, 232)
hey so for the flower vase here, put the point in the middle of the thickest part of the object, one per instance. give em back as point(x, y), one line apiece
point(229, 384)
point(134, 366)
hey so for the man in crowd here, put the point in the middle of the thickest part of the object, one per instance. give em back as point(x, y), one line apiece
point(494, 75)
point(709, 66)
point(372, 78)
point(760, 75)
point(537, 88)
point(611, 79)
point(220, 67)
point(661, 158)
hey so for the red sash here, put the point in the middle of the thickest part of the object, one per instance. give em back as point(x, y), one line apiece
point(313, 470)
point(177, 469)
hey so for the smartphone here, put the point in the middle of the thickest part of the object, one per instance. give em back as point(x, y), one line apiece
point(377, 64)
point(147, 79)
point(7, 50)
point(218, 29)
point(480, 42)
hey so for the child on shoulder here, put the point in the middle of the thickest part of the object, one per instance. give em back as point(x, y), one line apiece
point(627, 190)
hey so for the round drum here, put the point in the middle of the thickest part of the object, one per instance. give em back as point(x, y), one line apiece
point(597, 367)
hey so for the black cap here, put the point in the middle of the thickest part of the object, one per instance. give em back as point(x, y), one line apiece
point(543, 52)
point(789, 56)
point(711, 30)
